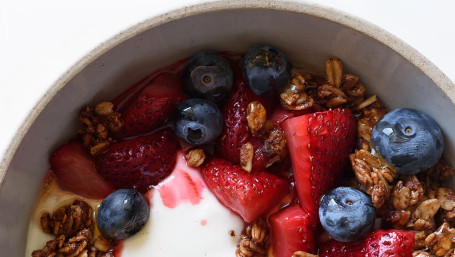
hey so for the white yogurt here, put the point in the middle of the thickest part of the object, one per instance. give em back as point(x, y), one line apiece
point(185, 219)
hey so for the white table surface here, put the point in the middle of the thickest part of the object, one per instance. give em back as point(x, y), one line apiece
point(40, 40)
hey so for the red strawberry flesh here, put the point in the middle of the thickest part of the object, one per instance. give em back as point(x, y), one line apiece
point(319, 145)
point(153, 107)
point(248, 194)
point(235, 132)
point(291, 231)
point(140, 162)
point(75, 170)
point(383, 243)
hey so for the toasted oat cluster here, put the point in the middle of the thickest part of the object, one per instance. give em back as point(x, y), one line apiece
point(419, 202)
point(254, 239)
point(73, 226)
point(97, 124)
point(414, 202)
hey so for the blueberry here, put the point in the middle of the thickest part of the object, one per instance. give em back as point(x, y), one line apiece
point(208, 75)
point(197, 121)
point(408, 139)
point(347, 214)
point(266, 68)
point(122, 214)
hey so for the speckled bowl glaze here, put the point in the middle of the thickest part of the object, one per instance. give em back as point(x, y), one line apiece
point(307, 33)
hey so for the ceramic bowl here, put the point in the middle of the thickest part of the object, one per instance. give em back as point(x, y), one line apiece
point(307, 33)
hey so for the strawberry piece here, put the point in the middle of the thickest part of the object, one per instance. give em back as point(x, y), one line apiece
point(319, 145)
point(280, 114)
point(152, 107)
point(291, 231)
point(248, 194)
point(75, 170)
point(396, 243)
point(139, 162)
point(235, 132)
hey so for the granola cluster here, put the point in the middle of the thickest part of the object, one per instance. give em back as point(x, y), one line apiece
point(253, 241)
point(274, 139)
point(73, 227)
point(97, 124)
point(416, 202)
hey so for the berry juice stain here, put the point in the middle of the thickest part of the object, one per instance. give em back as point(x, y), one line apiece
point(185, 184)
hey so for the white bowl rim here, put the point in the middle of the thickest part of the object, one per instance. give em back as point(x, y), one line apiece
point(312, 9)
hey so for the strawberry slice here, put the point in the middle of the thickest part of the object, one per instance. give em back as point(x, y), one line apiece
point(384, 243)
point(75, 170)
point(291, 231)
point(139, 162)
point(152, 107)
point(319, 145)
point(280, 114)
point(248, 194)
point(235, 132)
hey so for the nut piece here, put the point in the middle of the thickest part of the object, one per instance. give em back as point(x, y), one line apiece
point(294, 97)
point(194, 158)
point(246, 156)
point(253, 241)
point(374, 175)
point(334, 70)
point(256, 115)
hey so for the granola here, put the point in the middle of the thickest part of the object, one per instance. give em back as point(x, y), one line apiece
point(375, 176)
point(73, 226)
point(68, 220)
point(195, 157)
point(294, 95)
point(98, 123)
point(253, 241)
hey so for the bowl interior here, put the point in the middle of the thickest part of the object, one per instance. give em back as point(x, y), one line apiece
point(307, 40)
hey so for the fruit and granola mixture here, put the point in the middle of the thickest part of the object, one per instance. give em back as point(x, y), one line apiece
point(312, 164)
